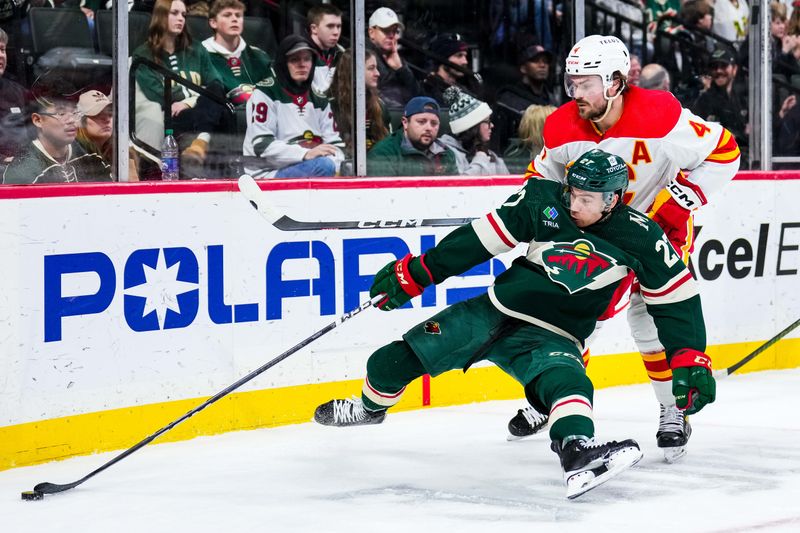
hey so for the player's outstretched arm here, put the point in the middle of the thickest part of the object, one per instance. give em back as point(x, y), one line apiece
point(400, 281)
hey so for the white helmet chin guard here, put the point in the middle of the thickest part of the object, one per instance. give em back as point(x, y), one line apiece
point(600, 55)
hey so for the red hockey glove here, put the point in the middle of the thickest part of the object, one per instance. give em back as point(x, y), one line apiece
point(676, 221)
point(400, 281)
point(693, 384)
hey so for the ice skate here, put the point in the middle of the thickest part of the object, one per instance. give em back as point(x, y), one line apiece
point(588, 463)
point(673, 433)
point(347, 412)
point(525, 423)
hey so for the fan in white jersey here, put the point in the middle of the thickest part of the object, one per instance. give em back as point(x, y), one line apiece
point(289, 126)
point(677, 161)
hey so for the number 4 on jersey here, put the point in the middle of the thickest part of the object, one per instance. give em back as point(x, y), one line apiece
point(699, 129)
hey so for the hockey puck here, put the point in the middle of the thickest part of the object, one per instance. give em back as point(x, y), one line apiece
point(30, 495)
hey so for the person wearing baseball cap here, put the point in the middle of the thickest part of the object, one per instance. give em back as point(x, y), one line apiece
point(290, 127)
point(725, 101)
point(536, 87)
point(97, 127)
point(415, 149)
point(397, 83)
point(54, 156)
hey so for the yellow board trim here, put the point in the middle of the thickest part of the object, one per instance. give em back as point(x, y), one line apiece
point(61, 438)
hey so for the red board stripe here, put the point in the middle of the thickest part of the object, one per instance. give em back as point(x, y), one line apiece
point(159, 187)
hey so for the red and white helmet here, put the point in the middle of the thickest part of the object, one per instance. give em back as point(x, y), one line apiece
point(600, 55)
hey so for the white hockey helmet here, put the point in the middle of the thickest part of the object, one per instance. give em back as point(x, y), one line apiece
point(601, 55)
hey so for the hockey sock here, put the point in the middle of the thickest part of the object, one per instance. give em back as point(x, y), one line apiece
point(389, 370)
point(660, 375)
point(567, 394)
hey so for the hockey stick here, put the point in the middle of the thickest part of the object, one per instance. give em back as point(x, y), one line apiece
point(41, 489)
point(725, 372)
point(257, 198)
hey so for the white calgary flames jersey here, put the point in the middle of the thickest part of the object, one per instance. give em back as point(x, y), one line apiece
point(667, 148)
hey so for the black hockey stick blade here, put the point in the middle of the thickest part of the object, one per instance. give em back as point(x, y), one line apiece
point(54, 488)
point(725, 372)
point(250, 190)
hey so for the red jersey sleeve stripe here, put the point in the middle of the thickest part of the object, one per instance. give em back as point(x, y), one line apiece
point(726, 150)
point(680, 288)
point(500, 233)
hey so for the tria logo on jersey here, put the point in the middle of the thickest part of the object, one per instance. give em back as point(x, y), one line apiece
point(577, 265)
point(172, 288)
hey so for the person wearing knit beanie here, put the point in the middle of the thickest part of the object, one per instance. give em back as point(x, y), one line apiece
point(471, 125)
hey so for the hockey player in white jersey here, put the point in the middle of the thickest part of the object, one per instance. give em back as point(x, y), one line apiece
point(677, 162)
point(290, 126)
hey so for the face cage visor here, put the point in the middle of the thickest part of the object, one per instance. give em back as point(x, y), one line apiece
point(584, 87)
point(566, 198)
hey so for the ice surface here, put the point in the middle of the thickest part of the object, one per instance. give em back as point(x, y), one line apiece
point(442, 470)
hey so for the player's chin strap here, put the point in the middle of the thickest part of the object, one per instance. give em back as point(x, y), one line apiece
point(609, 101)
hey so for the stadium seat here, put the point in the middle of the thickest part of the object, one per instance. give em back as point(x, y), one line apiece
point(138, 23)
point(54, 28)
point(198, 28)
point(259, 32)
point(62, 48)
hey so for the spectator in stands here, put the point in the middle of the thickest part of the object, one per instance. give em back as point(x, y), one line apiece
point(193, 117)
point(324, 29)
point(725, 101)
point(731, 18)
point(660, 14)
point(451, 47)
point(341, 96)
point(688, 60)
point(54, 156)
point(782, 42)
point(654, 76)
point(535, 87)
point(240, 65)
point(787, 130)
point(290, 126)
point(13, 106)
point(415, 149)
point(524, 148)
point(636, 70)
point(793, 26)
point(471, 124)
point(397, 83)
point(198, 8)
point(97, 127)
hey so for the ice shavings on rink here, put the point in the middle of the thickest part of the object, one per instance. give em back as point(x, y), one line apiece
point(443, 469)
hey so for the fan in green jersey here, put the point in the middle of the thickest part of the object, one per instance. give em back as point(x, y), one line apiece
point(534, 320)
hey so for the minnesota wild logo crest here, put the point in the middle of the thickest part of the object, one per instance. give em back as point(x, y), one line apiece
point(578, 265)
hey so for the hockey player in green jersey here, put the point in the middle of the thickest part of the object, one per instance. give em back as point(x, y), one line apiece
point(532, 323)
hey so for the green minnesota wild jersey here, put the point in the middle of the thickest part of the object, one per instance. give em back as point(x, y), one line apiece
point(568, 276)
point(282, 126)
point(193, 64)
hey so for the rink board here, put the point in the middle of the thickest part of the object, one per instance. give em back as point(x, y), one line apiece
point(123, 306)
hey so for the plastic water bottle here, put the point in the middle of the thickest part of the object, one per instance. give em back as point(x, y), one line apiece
point(169, 157)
